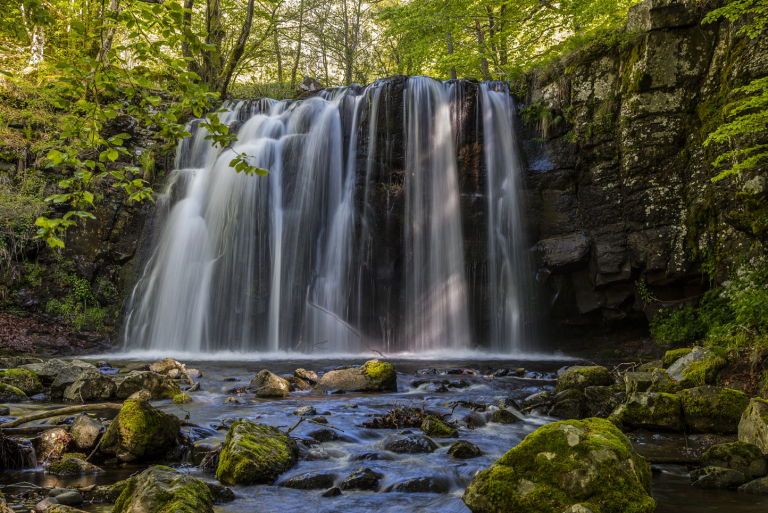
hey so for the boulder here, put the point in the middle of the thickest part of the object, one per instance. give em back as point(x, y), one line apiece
point(69, 375)
point(163, 490)
point(332, 492)
point(305, 375)
point(436, 428)
point(372, 376)
point(504, 417)
point(673, 355)
point(653, 381)
point(305, 411)
point(11, 394)
point(311, 481)
point(753, 426)
point(363, 479)
point(85, 431)
point(142, 394)
point(421, 485)
point(698, 367)
point(411, 444)
point(464, 450)
point(106, 493)
point(324, 435)
point(580, 377)
point(165, 365)
point(254, 453)
point(159, 386)
point(271, 393)
point(656, 412)
point(758, 486)
point(534, 399)
point(182, 399)
point(71, 465)
point(658, 14)
point(266, 378)
point(717, 477)
point(298, 384)
point(746, 458)
point(139, 432)
point(587, 462)
point(220, 494)
point(601, 401)
point(712, 409)
point(48, 371)
point(66, 496)
point(23, 379)
point(90, 387)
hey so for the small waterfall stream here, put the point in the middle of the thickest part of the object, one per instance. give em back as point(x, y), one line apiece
point(358, 221)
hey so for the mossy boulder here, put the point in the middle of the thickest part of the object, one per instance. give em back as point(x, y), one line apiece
point(587, 462)
point(744, 457)
point(464, 450)
point(673, 355)
point(717, 477)
point(653, 381)
point(23, 379)
point(255, 453)
point(580, 377)
point(182, 399)
point(69, 375)
point(647, 410)
point(697, 368)
point(160, 386)
point(372, 376)
point(757, 487)
point(164, 490)
point(436, 428)
point(713, 409)
point(602, 401)
point(266, 378)
point(139, 432)
point(72, 465)
point(271, 393)
point(504, 417)
point(90, 387)
point(11, 394)
point(753, 425)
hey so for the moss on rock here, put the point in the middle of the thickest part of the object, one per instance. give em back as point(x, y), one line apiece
point(23, 379)
point(703, 373)
point(372, 376)
point(713, 409)
point(673, 355)
point(436, 428)
point(11, 394)
point(72, 464)
point(160, 386)
point(254, 453)
point(753, 426)
point(579, 377)
point(182, 399)
point(140, 432)
point(741, 456)
point(161, 489)
point(648, 410)
point(587, 462)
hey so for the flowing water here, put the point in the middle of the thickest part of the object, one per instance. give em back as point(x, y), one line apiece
point(287, 263)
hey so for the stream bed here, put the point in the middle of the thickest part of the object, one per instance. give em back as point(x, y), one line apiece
point(359, 447)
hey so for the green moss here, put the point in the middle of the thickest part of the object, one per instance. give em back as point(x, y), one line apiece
point(181, 495)
point(582, 377)
point(434, 427)
point(711, 409)
point(10, 392)
point(631, 78)
point(655, 411)
point(182, 399)
point(703, 373)
point(139, 428)
point(23, 379)
point(254, 453)
point(382, 371)
point(672, 356)
point(549, 463)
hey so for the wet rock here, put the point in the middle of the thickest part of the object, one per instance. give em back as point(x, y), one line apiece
point(458, 383)
point(70, 465)
point(500, 373)
point(159, 386)
point(508, 402)
point(372, 376)
point(655, 412)
point(4, 411)
point(753, 425)
point(534, 399)
point(193, 388)
point(324, 435)
point(66, 496)
point(651, 366)
point(254, 453)
point(602, 401)
point(561, 465)
point(220, 494)
point(85, 431)
point(363, 479)
point(464, 450)
point(712, 409)
point(416, 383)
point(466, 372)
point(717, 477)
point(69, 375)
point(11, 394)
point(161, 489)
point(437, 388)
point(23, 379)
point(572, 408)
point(411, 444)
point(143, 395)
point(48, 371)
point(421, 485)
point(90, 387)
point(332, 492)
point(233, 400)
point(504, 417)
point(311, 481)
point(139, 432)
point(298, 384)
point(305, 375)
point(271, 393)
point(741, 456)
point(182, 399)
point(305, 411)
point(580, 377)
point(266, 378)
point(653, 381)
point(436, 428)
point(426, 372)
point(165, 365)
point(45, 504)
point(758, 486)
point(51, 444)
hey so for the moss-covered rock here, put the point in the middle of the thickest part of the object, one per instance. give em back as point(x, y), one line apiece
point(652, 381)
point(746, 458)
point(436, 428)
point(182, 399)
point(71, 465)
point(90, 387)
point(372, 376)
point(160, 386)
point(673, 355)
point(504, 417)
point(163, 490)
point(580, 377)
point(587, 462)
point(602, 401)
point(11, 394)
point(23, 379)
point(69, 375)
point(464, 450)
point(717, 477)
point(657, 412)
point(712, 409)
point(106, 493)
point(753, 425)
point(698, 367)
point(272, 393)
point(254, 453)
point(139, 432)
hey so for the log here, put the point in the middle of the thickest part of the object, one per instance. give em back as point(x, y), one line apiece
point(34, 430)
point(61, 411)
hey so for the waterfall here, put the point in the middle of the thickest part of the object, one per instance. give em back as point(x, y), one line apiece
point(358, 224)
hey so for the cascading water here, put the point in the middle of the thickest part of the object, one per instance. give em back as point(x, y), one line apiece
point(293, 261)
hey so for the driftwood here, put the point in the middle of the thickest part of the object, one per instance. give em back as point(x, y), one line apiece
point(60, 411)
point(342, 321)
point(304, 419)
point(33, 430)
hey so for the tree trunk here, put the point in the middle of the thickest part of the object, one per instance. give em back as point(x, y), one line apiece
point(212, 64)
point(114, 9)
point(186, 21)
point(298, 48)
point(502, 40)
point(279, 61)
point(37, 46)
point(450, 52)
point(481, 46)
point(224, 78)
